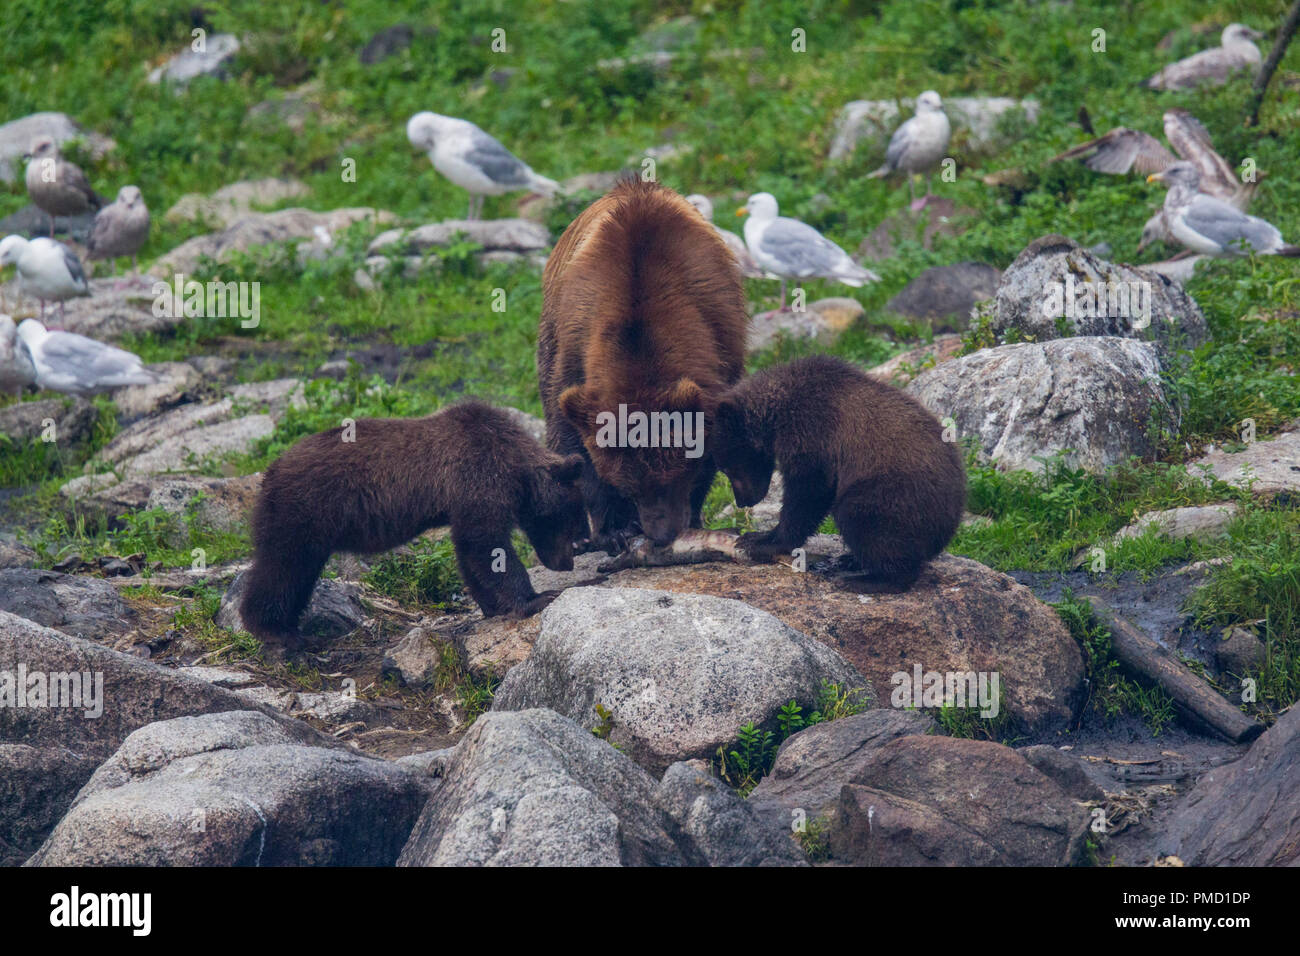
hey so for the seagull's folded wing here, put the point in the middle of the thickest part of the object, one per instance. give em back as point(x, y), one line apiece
point(900, 143)
point(85, 358)
point(1229, 226)
point(497, 162)
point(799, 248)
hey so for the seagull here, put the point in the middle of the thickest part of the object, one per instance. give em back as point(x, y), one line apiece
point(748, 267)
point(56, 186)
point(790, 249)
point(1125, 150)
point(71, 363)
point(49, 270)
point(1211, 226)
point(17, 370)
point(472, 159)
point(121, 228)
point(919, 144)
point(1214, 65)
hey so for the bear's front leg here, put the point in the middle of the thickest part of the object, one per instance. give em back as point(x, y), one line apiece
point(493, 574)
point(807, 500)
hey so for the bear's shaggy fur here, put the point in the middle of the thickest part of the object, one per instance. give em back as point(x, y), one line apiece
point(470, 466)
point(848, 445)
point(642, 307)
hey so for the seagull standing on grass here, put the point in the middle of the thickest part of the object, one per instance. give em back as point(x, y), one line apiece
point(920, 144)
point(748, 267)
point(790, 249)
point(47, 269)
point(1211, 226)
point(71, 363)
point(1215, 65)
point(17, 370)
point(472, 159)
point(56, 186)
point(120, 229)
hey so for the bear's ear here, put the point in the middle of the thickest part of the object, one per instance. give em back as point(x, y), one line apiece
point(566, 469)
point(578, 406)
point(684, 396)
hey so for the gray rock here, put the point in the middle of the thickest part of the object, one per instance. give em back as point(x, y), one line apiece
point(1270, 468)
point(73, 419)
point(1055, 288)
point(822, 321)
point(214, 504)
point(531, 788)
point(764, 515)
point(83, 606)
point(334, 610)
point(131, 693)
point(117, 307)
point(870, 123)
point(230, 203)
point(189, 64)
point(176, 380)
point(945, 801)
point(414, 659)
point(945, 295)
point(235, 789)
point(1093, 395)
point(388, 42)
point(1241, 652)
point(725, 829)
point(514, 235)
point(1244, 813)
point(13, 553)
point(259, 229)
point(812, 766)
point(1191, 521)
point(1067, 770)
point(33, 222)
point(189, 451)
point(680, 672)
point(16, 139)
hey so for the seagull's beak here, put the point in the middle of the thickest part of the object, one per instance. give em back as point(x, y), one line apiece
point(742, 211)
point(1156, 178)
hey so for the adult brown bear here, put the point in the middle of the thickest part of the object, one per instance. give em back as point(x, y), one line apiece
point(643, 326)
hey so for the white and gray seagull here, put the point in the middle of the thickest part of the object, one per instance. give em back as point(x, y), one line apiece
point(790, 249)
point(920, 144)
point(71, 363)
point(1125, 150)
point(17, 370)
point(1211, 226)
point(120, 228)
point(748, 267)
point(46, 269)
point(473, 160)
point(56, 186)
point(1236, 51)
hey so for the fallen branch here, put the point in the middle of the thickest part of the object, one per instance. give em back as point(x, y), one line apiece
point(1147, 659)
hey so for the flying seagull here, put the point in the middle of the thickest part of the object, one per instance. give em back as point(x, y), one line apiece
point(748, 267)
point(1215, 65)
point(790, 249)
point(56, 186)
point(17, 370)
point(919, 144)
point(1211, 226)
point(71, 363)
point(472, 159)
point(120, 228)
point(1125, 150)
point(47, 269)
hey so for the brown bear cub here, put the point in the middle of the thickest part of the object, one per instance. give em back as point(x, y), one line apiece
point(470, 466)
point(643, 325)
point(848, 445)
